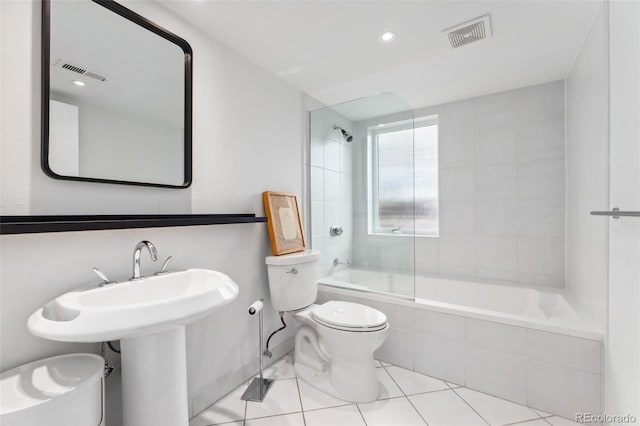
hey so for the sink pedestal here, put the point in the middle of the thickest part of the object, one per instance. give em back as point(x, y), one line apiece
point(154, 379)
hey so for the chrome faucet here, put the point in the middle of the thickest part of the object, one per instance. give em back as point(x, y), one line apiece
point(136, 256)
point(338, 261)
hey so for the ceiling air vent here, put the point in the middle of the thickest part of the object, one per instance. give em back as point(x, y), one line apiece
point(468, 32)
point(79, 70)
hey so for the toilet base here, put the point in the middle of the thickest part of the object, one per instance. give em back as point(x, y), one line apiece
point(347, 379)
point(322, 382)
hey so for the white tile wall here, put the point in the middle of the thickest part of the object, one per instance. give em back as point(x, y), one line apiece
point(501, 190)
point(331, 187)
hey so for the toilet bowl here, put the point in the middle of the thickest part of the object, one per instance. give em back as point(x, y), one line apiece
point(334, 349)
point(334, 341)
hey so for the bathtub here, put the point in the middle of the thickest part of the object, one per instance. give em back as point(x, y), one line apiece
point(525, 344)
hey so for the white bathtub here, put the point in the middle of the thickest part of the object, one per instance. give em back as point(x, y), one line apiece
point(525, 344)
point(539, 308)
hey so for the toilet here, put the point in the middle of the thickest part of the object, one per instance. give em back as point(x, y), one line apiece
point(65, 390)
point(335, 341)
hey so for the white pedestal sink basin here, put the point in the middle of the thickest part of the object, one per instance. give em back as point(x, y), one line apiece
point(149, 317)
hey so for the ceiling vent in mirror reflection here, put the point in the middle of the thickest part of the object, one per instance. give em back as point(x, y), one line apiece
point(66, 65)
point(470, 31)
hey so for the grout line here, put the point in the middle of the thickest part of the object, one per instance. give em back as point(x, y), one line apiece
point(361, 415)
point(346, 404)
point(465, 401)
point(304, 420)
point(405, 395)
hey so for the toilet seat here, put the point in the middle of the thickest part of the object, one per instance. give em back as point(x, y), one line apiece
point(348, 316)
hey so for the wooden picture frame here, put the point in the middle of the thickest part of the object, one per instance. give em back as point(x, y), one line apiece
point(284, 222)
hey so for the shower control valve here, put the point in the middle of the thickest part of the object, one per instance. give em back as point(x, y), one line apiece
point(336, 231)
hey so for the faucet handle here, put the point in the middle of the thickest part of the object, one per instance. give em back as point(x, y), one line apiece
point(103, 277)
point(164, 266)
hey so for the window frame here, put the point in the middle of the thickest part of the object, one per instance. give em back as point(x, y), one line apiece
point(373, 133)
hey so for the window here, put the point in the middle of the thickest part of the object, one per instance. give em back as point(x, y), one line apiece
point(403, 178)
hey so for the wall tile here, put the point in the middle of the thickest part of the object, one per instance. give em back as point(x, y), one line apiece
point(496, 373)
point(496, 217)
point(541, 255)
point(569, 351)
point(438, 324)
point(541, 141)
point(332, 155)
point(562, 390)
point(457, 218)
point(496, 146)
point(496, 336)
point(542, 179)
point(540, 218)
point(398, 349)
point(497, 182)
point(346, 158)
point(317, 184)
point(544, 102)
point(317, 217)
point(331, 185)
point(457, 183)
point(497, 110)
point(456, 147)
point(439, 358)
point(497, 257)
point(457, 255)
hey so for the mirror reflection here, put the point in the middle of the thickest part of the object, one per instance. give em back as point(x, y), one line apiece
point(116, 98)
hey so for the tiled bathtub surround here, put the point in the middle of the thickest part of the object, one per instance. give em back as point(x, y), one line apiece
point(554, 372)
point(501, 190)
point(331, 186)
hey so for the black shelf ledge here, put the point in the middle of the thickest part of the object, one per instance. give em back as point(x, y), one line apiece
point(40, 224)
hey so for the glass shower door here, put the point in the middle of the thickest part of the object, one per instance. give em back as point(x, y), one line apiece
point(362, 194)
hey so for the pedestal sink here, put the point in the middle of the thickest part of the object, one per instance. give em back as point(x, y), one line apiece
point(148, 316)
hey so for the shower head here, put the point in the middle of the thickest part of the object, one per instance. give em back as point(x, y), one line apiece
point(346, 135)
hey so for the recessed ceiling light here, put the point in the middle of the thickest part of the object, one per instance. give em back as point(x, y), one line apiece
point(78, 83)
point(387, 36)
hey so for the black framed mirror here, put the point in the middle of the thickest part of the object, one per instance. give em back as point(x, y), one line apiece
point(116, 96)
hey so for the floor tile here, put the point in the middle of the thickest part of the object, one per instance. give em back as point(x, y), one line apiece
point(411, 382)
point(496, 411)
point(542, 413)
point(561, 421)
point(390, 412)
point(281, 369)
point(537, 422)
point(282, 398)
point(294, 419)
point(445, 408)
point(388, 388)
point(229, 408)
point(347, 415)
point(452, 385)
point(313, 399)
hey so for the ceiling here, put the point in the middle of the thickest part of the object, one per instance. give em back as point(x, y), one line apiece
point(331, 49)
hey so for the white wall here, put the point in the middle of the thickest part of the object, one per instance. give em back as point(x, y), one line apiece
point(331, 188)
point(623, 338)
point(588, 172)
point(125, 147)
point(501, 192)
point(246, 139)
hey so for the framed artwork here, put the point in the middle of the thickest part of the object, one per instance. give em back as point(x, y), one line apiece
point(284, 222)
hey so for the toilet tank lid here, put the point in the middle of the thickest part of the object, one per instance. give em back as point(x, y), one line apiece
point(293, 258)
point(36, 387)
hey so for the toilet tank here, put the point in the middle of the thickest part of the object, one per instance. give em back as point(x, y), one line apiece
point(293, 281)
point(65, 390)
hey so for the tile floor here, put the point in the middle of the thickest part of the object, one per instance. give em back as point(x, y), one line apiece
point(407, 398)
